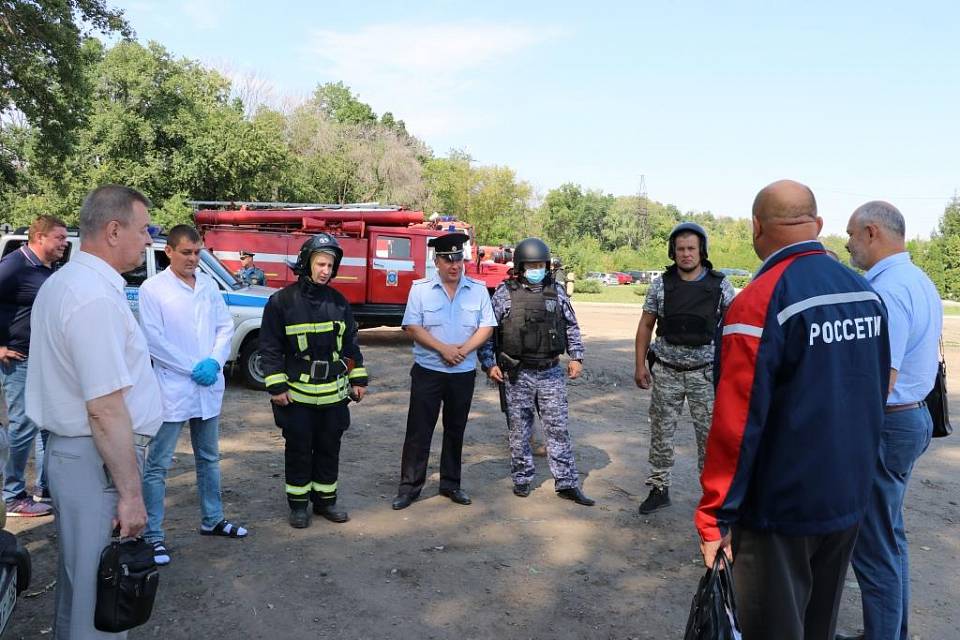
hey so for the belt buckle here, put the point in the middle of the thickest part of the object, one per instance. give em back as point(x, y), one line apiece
point(326, 369)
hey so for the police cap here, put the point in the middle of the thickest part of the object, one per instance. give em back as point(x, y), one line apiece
point(449, 246)
point(244, 252)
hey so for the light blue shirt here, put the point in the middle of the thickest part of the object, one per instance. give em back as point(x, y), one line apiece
point(449, 321)
point(915, 323)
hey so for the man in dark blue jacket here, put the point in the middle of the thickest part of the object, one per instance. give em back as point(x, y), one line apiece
point(21, 273)
point(795, 436)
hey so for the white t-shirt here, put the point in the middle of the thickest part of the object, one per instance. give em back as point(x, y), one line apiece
point(183, 326)
point(85, 344)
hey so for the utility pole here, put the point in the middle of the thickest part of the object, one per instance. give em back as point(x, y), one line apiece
point(643, 213)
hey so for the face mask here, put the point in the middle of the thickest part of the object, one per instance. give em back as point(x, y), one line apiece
point(535, 276)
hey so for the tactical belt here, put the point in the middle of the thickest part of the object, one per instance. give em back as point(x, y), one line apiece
point(321, 370)
point(683, 369)
point(540, 366)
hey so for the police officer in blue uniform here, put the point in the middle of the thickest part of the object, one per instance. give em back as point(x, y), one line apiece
point(250, 273)
point(449, 317)
point(537, 325)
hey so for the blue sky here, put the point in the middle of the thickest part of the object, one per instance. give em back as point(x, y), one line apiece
point(709, 101)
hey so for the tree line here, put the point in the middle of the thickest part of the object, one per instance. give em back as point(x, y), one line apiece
point(75, 113)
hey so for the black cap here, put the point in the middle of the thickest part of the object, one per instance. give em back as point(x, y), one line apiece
point(449, 245)
point(244, 252)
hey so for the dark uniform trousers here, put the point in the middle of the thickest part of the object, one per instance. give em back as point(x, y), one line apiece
point(312, 451)
point(789, 587)
point(428, 390)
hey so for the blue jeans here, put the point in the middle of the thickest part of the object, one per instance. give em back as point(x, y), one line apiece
point(880, 557)
point(204, 437)
point(21, 433)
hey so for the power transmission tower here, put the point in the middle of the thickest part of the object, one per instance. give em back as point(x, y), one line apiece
point(643, 213)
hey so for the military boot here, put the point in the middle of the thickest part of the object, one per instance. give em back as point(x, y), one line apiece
point(330, 512)
point(659, 498)
point(299, 517)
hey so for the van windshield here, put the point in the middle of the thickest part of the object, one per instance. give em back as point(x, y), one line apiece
point(221, 271)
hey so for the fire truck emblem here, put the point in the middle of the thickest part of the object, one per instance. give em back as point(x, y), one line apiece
point(392, 278)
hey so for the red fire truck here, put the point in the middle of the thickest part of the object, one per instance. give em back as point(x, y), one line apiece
point(384, 248)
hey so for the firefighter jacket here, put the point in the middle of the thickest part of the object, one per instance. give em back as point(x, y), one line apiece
point(308, 345)
point(691, 309)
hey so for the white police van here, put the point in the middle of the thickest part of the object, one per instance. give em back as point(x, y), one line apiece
point(245, 302)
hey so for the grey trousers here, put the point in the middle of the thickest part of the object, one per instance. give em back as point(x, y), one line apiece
point(85, 503)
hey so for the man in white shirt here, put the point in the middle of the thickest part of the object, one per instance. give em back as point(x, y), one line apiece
point(188, 329)
point(90, 384)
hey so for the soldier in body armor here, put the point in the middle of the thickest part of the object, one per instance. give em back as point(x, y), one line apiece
point(313, 368)
point(536, 326)
point(686, 305)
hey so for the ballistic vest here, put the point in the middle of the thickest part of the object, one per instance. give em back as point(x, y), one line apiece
point(535, 330)
point(691, 308)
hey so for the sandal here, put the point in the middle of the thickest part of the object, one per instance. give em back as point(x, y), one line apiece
point(224, 529)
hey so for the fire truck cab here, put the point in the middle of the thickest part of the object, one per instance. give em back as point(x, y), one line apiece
point(384, 249)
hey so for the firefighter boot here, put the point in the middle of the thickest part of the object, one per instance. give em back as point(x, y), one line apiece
point(299, 517)
point(330, 512)
point(659, 498)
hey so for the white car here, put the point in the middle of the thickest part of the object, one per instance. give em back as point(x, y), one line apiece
point(245, 302)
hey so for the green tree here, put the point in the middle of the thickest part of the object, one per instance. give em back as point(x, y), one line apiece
point(336, 101)
point(43, 64)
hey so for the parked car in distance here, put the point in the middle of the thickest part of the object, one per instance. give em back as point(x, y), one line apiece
point(734, 272)
point(623, 278)
point(639, 277)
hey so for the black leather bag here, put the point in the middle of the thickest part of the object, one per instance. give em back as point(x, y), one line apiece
point(713, 612)
point(937, 401)
point(127, 583)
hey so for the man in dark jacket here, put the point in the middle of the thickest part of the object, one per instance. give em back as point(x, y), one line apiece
point(313, 366)
point(795, 436)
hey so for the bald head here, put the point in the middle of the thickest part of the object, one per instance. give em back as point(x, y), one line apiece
point(784, 212)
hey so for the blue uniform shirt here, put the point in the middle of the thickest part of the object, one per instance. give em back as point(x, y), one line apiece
point(915, 323)
point(252, 275)
point(449, 321)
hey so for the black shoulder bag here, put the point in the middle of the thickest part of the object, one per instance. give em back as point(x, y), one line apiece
point(126, 585)
point(937, 400)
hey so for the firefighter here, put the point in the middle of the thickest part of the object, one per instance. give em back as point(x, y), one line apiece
point(313, 367)
point(537, 325)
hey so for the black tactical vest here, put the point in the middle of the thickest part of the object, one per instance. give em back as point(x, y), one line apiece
point(535, 331)
point(691, 309)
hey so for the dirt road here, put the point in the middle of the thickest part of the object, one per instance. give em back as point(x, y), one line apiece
point(504, 567)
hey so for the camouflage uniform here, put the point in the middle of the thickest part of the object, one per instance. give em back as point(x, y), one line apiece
point(545, 389)
point(671, 387)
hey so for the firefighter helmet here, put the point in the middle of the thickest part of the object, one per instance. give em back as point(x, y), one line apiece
point(531, 250)
point(321, 242)
point(687, 227)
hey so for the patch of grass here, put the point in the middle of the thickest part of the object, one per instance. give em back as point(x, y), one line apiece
point(948, 310)
point(623, 293)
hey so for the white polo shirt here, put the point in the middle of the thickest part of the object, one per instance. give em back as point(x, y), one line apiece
point(184, 325)
point(85, 344)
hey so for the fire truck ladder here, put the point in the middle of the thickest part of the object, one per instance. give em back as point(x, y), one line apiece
point(366, 206)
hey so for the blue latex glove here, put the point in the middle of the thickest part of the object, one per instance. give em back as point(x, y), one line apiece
point(205, 373)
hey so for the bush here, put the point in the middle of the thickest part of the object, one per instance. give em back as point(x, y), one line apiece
point(739, 282)
point(587, 286)
point(641, 289)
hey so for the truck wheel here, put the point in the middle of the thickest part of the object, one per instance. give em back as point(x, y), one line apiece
point(250, 370)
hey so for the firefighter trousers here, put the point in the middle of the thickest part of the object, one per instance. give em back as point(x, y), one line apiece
point(312, 451)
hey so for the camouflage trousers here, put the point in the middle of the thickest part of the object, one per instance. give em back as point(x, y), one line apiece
point(544, 392)
point(670, 388)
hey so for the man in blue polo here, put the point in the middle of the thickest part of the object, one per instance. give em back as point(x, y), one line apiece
point(21, 274)
point(250, 273)
point(880, 557)
point(449, 316)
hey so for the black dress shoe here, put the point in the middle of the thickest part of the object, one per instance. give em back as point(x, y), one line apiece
point(841, 636)
point(330, 512)
point(403, 500)
point(574, 493)
point(457, 495)
point(521, 490)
